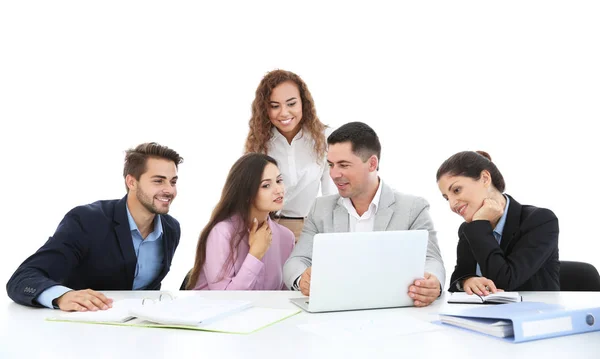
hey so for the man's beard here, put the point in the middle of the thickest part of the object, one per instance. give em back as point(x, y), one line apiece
point(148, 203)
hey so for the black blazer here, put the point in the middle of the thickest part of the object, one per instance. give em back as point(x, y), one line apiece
point(91, 248)
point(526, 258)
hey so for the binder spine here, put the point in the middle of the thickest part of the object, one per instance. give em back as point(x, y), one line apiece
point(556, 323)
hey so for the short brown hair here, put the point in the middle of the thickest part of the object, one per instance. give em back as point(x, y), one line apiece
point(136, 158)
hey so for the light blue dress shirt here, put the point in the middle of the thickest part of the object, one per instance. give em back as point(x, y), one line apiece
point(149, 253)
point(497, 231)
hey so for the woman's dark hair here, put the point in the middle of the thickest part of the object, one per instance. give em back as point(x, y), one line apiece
point(239, 193)
point(470, 164)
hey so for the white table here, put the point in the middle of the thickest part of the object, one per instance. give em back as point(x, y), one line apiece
point(25, 334)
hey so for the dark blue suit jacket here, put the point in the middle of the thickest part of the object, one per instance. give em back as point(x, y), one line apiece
point(526, 259)
point(91, 248)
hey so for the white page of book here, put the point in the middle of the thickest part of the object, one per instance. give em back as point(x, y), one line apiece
point(508, 295)
point(189, 311)
point(474, 298)
point(119, 313)
point(248, 320)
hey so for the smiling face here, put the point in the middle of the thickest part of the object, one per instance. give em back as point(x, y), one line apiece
point(465, 195)
point(269, 197)
point(350, 174)
point(157, 187)
point(285, 109)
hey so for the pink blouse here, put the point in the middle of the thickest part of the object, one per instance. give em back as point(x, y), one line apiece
point(248, 272)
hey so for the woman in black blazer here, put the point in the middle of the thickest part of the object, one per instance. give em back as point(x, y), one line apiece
point(502, 244)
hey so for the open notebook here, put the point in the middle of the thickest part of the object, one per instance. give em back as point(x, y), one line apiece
point(493, 298)
point(227, 316)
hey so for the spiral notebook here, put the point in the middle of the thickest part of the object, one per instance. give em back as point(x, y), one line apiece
point(227, 316)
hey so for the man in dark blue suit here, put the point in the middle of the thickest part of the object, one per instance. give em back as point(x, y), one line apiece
point(108, 245)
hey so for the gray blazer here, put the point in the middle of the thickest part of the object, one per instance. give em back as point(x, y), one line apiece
point(396, 211)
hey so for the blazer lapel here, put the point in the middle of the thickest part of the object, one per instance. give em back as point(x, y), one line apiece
point(384, 210)
point(340, 218)
point(382, 219)
point(125, 240)
point(511, 227)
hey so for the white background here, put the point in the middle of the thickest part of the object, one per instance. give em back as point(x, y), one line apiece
point(81, 82)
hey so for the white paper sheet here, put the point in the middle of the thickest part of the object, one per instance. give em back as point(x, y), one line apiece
point(393, 324)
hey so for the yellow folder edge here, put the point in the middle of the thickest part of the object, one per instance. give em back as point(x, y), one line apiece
point(171, 326)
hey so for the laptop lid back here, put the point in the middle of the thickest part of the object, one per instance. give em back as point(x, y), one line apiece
point(363, 270)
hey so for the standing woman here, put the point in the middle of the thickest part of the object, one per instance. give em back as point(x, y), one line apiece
point(502, 244)
point(285, 126)
point(241, 248)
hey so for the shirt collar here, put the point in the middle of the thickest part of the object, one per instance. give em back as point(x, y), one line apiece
point(157, 224)
point(375, 201)
point(278, 136)
point(500, 226)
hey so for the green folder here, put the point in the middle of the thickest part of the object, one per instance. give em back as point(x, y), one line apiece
point(246, 321)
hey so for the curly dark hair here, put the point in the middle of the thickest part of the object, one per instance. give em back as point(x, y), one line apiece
point(260, 125)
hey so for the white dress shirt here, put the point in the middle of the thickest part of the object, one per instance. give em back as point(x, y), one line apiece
point(366, 222)
point(302, 174)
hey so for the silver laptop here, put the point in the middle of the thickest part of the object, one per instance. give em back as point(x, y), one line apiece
point(364, 270)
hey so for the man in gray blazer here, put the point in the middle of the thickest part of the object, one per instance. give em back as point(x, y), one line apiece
point(364, 203)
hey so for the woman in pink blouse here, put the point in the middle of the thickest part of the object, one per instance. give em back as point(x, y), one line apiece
point(241, 248)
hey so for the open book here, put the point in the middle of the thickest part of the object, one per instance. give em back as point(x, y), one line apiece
point(229, 316)
point(492, 298)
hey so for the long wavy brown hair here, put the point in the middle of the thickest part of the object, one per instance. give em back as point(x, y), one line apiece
point(260, 125)
point(239, 192)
